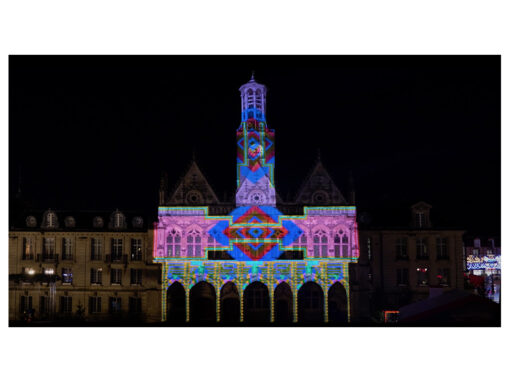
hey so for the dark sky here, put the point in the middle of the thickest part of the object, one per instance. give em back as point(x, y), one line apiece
point(94, 132)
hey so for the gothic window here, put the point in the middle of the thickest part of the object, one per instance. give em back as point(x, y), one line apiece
point(173, 244)
point(194, 244)
point(320, 244)
point(341, 243)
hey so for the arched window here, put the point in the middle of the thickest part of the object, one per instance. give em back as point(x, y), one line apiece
point(194, 242)
point(341, 244)
point(320, 244)
point(173, 244)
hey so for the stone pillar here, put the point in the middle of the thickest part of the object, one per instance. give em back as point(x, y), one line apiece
point(294, 293)
point(241, 303)
point(270, 282)
point(187, 303)
point(324, 287)
point(326, 313)
point(164, 289)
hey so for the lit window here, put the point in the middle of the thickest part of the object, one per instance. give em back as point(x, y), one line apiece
point(28, 248)
point(173, 242)
point(67, 276)
point(422, 276)
point(136, 249)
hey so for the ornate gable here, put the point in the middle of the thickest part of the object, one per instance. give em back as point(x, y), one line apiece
point(193, 189)
point(319, 189)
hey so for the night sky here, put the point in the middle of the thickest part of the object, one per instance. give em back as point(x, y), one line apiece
point(95, 132)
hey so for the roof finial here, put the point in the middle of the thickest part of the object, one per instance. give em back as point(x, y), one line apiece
point(318, 154)
point(252, 76)
point(193, 156)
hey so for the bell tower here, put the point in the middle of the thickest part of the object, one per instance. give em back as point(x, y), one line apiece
point(255, 149)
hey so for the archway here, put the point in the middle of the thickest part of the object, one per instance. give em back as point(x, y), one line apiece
point(283, 303)
point(337, 303)
point(310, 303)
point(256, 303)
point(202, 300)
point(175, 303)
point(230, 303)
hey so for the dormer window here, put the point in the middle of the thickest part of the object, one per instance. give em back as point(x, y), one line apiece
point(50, 220)
point(69, 222)
point(420, 219)
point(117, 220)
point(97, 222)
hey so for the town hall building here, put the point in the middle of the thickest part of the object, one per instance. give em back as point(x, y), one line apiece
point(259, 259)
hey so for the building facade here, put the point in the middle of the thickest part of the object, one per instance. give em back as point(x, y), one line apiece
point(257, 259)
point(482, 263)
point(91, 266)
point(404, 265)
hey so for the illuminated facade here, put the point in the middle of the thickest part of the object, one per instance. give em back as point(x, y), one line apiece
point(251, 262)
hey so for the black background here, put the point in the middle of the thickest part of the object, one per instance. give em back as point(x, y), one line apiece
point(94, 132)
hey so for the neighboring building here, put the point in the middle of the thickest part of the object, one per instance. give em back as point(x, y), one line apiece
point(398, 266)
point(483, 265)
point(258, 259)
point(85, 265)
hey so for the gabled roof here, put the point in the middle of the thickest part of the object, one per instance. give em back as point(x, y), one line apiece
point(193, 180)
point(318, 184)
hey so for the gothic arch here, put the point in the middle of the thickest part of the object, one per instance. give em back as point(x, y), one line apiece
point(337, 303)
point(310, 303)
point(230, 304)
point(256, 303)
point(283, 303)
point(176, 303)
point(202, 301)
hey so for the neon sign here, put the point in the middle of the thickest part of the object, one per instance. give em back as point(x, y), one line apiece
point(483, 262)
